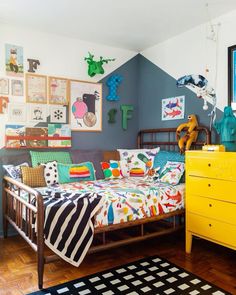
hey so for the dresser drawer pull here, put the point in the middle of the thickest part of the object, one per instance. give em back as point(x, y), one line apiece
point(210, 225)
point(210, 205)
point(209, 184)
point(209, 165)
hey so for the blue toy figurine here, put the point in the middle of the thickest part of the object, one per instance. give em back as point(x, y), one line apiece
point(113, 82)
point(226, 127)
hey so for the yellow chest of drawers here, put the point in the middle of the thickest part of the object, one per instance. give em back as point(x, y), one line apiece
point(211, 197)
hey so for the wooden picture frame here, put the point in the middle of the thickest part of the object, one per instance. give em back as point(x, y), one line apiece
point(58, 91)
point(36, 88)
point(232, 77)
point(85, 110)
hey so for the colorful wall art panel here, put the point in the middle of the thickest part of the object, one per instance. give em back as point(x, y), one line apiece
point(36, 136)
point(85, 106)
point(13, 134)
point(173, 108)
point(14, 61)
point(61, 133)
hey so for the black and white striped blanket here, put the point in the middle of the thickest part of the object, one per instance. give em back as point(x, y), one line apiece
point(68, 227)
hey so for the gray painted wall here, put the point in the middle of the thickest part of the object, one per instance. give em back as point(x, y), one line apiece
point(155, 84)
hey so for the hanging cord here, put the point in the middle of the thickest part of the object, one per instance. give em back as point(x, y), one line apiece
point(214, 36)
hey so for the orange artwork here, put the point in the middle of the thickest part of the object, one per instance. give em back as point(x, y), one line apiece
point(3, 103)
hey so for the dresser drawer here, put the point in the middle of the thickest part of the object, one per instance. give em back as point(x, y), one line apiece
point(211, 229)
point(221, 211)
point(213, 188)
point(211, 164)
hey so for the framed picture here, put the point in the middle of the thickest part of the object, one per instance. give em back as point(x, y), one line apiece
point(57, 114)
point(17, 112)
point(58, 90)
point(36, 88)
point(232, 77)
point(38, 113)
point(4, 86)
point(173, 108)
point(17, 87)
point(85, 106)
point(14, 61)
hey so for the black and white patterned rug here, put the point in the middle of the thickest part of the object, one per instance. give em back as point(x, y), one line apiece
point(149, 276)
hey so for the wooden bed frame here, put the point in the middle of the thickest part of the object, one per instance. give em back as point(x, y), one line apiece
point(127, 232)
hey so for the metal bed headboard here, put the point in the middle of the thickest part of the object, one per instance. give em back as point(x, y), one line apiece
point(166, 138)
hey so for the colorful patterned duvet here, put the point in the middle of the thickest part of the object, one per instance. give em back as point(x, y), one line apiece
point(127, 199)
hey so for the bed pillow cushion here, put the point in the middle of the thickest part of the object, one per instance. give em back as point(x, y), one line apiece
point(75, 172)
point(163, 156)
point(33, 176)
point(44, 157)
point(172, 172)
point(15, 171)
point(50, 173)
point(111, 169)
point(139, 160)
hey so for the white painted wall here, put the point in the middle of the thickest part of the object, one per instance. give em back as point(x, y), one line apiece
point(59, 56)
point(191, 52)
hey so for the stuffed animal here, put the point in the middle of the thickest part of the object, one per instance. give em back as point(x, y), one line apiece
point(191, 134)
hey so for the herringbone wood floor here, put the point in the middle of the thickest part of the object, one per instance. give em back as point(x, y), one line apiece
point(18, 273)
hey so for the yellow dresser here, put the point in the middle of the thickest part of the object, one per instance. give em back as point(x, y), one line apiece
point(211, 197)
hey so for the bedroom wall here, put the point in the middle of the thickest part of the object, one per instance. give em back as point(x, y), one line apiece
point(64, 57)
point(191, 52)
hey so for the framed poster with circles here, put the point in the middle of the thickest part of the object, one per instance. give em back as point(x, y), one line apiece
point(85, 106)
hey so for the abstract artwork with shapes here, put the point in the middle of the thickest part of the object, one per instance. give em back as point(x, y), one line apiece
point(173, 108)
point(85, 106)
point(57, 114)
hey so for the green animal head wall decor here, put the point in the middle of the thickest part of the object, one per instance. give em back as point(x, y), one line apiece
point(95, 67)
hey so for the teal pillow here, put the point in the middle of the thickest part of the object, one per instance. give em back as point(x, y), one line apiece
point(75, 172)
point(44, 157)
point(162, 157)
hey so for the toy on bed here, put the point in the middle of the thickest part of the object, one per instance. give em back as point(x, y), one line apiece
point(191, 134)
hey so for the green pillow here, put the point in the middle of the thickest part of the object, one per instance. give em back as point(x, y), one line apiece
point(44, 157)
point(75, 172)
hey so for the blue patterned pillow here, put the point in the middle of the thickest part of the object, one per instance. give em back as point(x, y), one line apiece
point(164, 156)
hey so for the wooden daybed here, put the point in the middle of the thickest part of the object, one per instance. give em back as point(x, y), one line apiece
point(127, 232)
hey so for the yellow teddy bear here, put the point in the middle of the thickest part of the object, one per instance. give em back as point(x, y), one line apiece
point(191, 134)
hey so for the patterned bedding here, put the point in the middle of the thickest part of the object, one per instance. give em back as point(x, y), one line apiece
point(126, 199)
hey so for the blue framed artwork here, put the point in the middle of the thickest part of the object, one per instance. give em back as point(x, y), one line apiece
point(232, 77)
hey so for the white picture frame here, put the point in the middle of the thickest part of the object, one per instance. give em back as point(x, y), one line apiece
point(4, 86)
point(38, 113)
point(17, 112)
point(173, 108)
point(57, 114)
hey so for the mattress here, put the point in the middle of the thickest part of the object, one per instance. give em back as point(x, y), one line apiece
point(126, 199)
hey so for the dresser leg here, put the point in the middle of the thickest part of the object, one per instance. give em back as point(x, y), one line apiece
point(188, 242)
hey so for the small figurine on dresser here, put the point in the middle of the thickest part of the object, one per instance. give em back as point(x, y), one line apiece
point(226, 127)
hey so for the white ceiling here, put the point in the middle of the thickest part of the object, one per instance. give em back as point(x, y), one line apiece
point(130, 24)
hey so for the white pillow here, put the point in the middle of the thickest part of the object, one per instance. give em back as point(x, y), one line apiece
point(139, 161)
point(172, 172)
point(50, 173)
point(15, 171)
